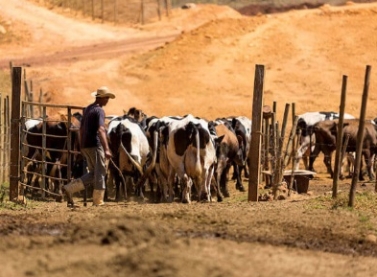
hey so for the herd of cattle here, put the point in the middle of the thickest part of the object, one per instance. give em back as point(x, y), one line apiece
point(178, 157)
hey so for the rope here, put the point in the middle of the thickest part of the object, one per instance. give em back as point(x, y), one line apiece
point(121, 175)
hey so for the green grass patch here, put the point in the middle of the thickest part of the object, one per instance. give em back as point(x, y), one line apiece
point(6, 204)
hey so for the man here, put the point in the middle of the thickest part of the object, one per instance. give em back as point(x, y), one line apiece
point(95, 149)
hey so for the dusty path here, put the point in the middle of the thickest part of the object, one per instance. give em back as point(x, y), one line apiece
point(90, 52)
point(56, 38)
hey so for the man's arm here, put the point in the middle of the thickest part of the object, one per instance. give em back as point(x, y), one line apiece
point(103, 138)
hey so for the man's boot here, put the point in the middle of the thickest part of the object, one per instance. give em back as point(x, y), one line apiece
point(98, 196)
point(72, 187)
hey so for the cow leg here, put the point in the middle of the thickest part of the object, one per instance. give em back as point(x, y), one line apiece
point(207, 182)
point(361, 177)
point(163, 184)
point(368, 161)
point(351, 163)
point(30, 167)
point(327, 162)
point(311, 162)
point(239, 185)
point(186, 189)
point(313, 155)
point(219, 179)
point(246, 169)
point(118, 186)
point(348, 163)
point(171, 181)
point(236, 171)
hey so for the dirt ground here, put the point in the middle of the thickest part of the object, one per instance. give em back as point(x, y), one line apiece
point(199, 61)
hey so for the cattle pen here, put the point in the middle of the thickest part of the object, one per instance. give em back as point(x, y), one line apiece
point(37, 164)
point(45, 165)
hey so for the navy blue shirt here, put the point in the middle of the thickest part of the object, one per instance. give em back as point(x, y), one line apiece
point(93, 118)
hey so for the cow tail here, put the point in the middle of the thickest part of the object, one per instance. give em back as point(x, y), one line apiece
point(198, 166)
point(135, 163)
point(153, 163)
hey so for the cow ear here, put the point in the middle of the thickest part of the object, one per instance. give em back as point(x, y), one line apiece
point(218, 140)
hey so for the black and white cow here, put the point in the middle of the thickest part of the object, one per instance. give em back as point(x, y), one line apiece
point(130, 149)
point(307, 142)
point(56, 143)
point(157, 133)
point(191, 153)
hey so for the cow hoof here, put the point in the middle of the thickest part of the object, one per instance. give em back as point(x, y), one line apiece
point(72, 205)
point(240, 188)
point(226, 193)
point(185, 201)
point(59, 199)
point(219, 199)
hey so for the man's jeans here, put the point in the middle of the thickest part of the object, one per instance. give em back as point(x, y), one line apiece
point(95, 158)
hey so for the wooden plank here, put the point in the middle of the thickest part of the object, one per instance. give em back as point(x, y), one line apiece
point(15, 131)
point(360, 135)
point(339, 142)
point(256, 134)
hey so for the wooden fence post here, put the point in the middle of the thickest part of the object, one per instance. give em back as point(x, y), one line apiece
point(115, 11)
point(339, 142)
point(15, 132)
point(40, 101)
point(159, 9)
point(142, 11)
point(280, 166)
point(102, 12)
point(2, 141)
point(7, 133)
point(360, 135)
point(167, 7)
point(256, 134)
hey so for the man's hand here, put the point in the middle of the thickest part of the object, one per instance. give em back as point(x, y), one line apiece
point(108, 154)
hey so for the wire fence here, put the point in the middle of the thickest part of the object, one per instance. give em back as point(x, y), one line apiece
point(143, 11)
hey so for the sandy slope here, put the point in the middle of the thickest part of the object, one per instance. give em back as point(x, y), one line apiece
point(305, 54)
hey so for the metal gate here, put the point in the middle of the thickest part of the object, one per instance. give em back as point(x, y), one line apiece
point(24, 167)
point(41, 175)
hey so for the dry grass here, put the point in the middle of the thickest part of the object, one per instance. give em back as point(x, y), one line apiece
point(121, 12)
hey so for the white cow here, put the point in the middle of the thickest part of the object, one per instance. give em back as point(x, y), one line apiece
point(191, 153)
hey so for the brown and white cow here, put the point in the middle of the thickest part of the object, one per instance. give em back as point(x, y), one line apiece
point(307, 142)
point(191, 153)
point(242, 127)
point(229, 152)
point(326, 138)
